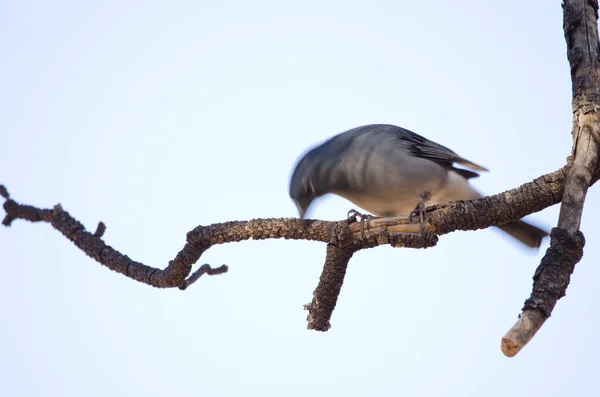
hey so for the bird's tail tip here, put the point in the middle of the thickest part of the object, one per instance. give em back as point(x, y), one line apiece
point(526, 233)
point(471, 164)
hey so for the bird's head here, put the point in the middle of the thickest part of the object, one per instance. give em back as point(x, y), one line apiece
point(302, 188)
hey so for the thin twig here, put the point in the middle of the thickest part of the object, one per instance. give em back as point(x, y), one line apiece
point(100, 229)
point(204, 269)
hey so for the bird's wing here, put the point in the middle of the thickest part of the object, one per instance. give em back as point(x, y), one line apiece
point(424, 148)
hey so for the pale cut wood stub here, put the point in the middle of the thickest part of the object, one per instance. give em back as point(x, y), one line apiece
point(566, 245)
point(518, 336)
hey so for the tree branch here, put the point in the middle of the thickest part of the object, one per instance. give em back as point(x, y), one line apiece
point(552, 276)
point(400, 231)
point(343, 238)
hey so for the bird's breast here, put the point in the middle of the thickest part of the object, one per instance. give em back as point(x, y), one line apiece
point(383, 206)
point(401, 198)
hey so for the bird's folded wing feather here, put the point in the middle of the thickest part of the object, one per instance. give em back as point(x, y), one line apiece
point(424, 148)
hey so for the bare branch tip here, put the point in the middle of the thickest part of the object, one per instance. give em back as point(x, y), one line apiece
point(4, 192)
point(204, 269)
point(213, 271)
point(521, 333)
point(58, 209)
point(100, 229)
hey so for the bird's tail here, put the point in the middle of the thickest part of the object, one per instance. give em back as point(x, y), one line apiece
point(524, 232)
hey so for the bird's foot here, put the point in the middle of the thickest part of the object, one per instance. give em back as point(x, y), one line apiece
point(419, 211)
point(353, 214)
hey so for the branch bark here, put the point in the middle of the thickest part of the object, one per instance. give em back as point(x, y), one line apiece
point(552, 276)
point(330, 284)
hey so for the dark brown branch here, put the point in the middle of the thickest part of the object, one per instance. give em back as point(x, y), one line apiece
point(500, 208)
point(96, 248)
point(204, 269)
point(552, 276)
point(330, 284)
point(4, 192)
point(465, 215)
point(100, 229)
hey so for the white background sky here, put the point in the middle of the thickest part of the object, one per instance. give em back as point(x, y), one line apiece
point(156, 117)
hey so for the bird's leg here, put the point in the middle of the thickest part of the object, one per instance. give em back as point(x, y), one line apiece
point(420, 210)
point(352, 214)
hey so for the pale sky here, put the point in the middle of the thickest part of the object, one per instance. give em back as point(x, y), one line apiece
point(155, 117)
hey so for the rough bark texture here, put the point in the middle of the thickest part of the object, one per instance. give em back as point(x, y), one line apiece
point(500, 208)
point(583, 51)
point(330, 284)
point(552, 276)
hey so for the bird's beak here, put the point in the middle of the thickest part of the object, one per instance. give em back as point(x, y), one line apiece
point(301, 211)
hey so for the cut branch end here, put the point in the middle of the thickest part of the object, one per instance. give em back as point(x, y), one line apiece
point(521, 333)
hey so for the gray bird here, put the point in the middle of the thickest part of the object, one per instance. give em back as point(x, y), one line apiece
point(387, 171)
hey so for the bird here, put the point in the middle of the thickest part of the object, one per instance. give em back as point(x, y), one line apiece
point(389, 171)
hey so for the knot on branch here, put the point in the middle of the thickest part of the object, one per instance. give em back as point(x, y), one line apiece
point(552, 277)
point(341, 233)
point(586, 103)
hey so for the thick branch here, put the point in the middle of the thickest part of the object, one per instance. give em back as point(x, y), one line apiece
point(552, 276)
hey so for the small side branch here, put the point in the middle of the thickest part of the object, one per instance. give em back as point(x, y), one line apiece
point(330, 284)
point(550, 284)
point(100, 229)
point(204, 269)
